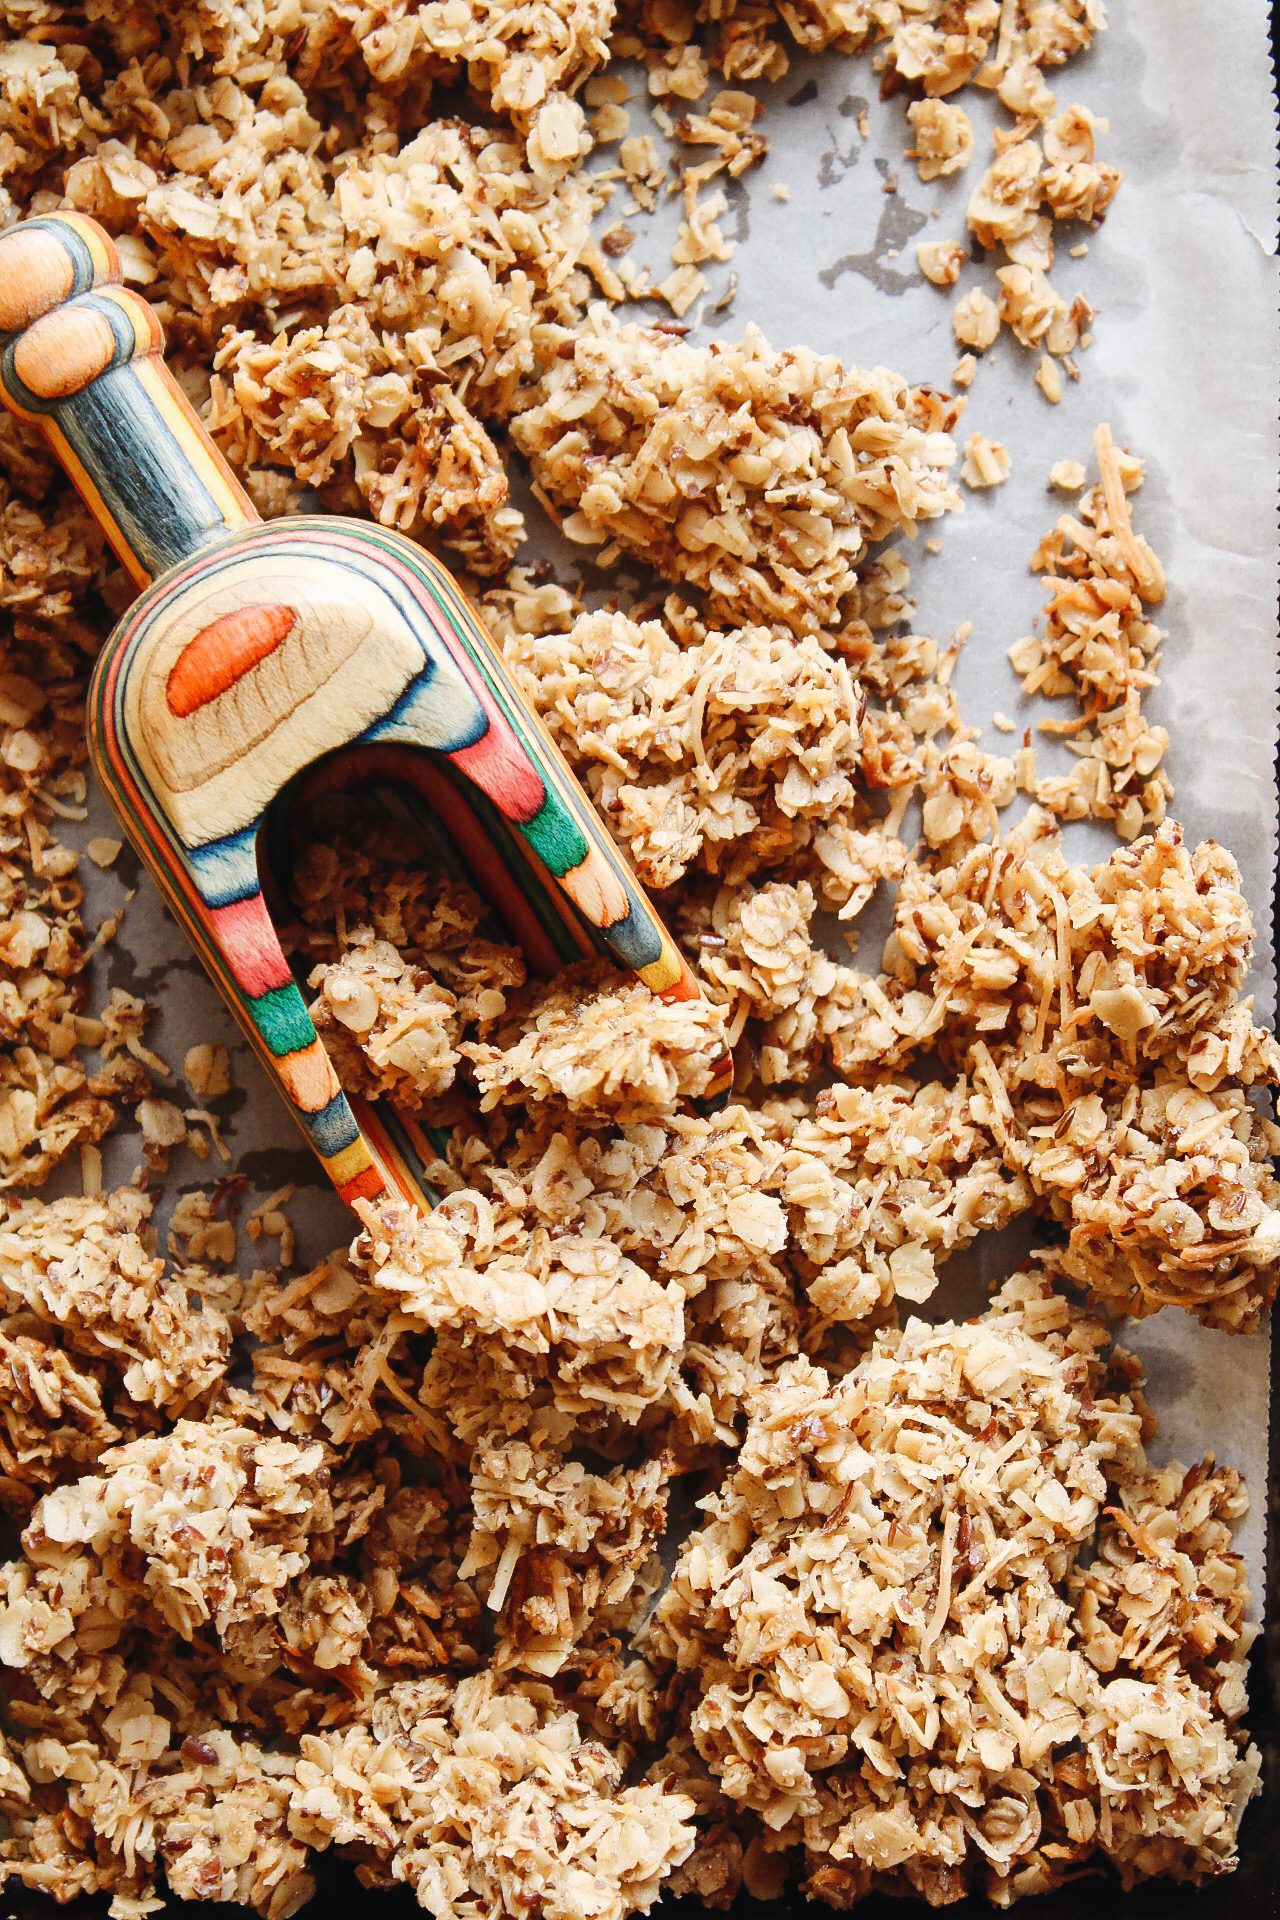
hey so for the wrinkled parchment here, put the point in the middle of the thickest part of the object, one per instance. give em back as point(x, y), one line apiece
point(1183, 278)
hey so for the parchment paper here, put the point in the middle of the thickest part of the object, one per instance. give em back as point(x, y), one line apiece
point(1184, 366)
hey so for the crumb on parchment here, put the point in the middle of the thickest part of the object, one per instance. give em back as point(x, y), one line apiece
point(975, 320)
point(1068, 476)
point(941, 261)
point(943, 136)
point(986, 462)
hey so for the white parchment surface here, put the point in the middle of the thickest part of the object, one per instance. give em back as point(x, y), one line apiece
point(1184, 366)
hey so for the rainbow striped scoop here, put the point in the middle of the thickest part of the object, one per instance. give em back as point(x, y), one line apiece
point(259, 651)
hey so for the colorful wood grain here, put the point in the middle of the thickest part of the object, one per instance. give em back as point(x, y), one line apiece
point(82, 361)
point(263, 651)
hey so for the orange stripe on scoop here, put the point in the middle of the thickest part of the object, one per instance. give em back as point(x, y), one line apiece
point(366, 1186)
point(64, 352)
point(308, 1077)
point(222, 653)
point(596, 890)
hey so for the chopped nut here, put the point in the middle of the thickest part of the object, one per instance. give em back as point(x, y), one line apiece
point(610, 123)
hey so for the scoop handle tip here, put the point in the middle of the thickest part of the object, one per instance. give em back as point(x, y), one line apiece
point(49, 260)
point(82, 359)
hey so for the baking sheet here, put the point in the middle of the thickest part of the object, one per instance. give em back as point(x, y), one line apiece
point(1183, 279)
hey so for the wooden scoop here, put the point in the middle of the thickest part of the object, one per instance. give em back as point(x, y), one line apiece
point(257, 650)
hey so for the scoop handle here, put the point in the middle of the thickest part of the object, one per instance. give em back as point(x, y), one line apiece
point(82, 359)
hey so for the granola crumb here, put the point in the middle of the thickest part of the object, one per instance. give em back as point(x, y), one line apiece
point(206, 1068)
point(943, 136)
point(975, 320)
point(1049, 379)
point(1067, 476)
point(941, 261)
point(986, 463)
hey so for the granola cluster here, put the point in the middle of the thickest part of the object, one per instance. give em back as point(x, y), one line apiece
point(374, 1560)
point(1101, 648)
point(923, 1633)
point(1100, 1015)
point(727, 751)
point(758, 477)
point(587, 1045)
point(759, 751)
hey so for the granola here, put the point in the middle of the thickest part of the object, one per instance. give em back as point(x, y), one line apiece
point(904, 1633)
point(496, 1802)
point(1101, 648)
point(84, 1269)
point(590, 1046)
point(758, 477)
point(371, 1558)
point(737, 747)
point(1100, 1013)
